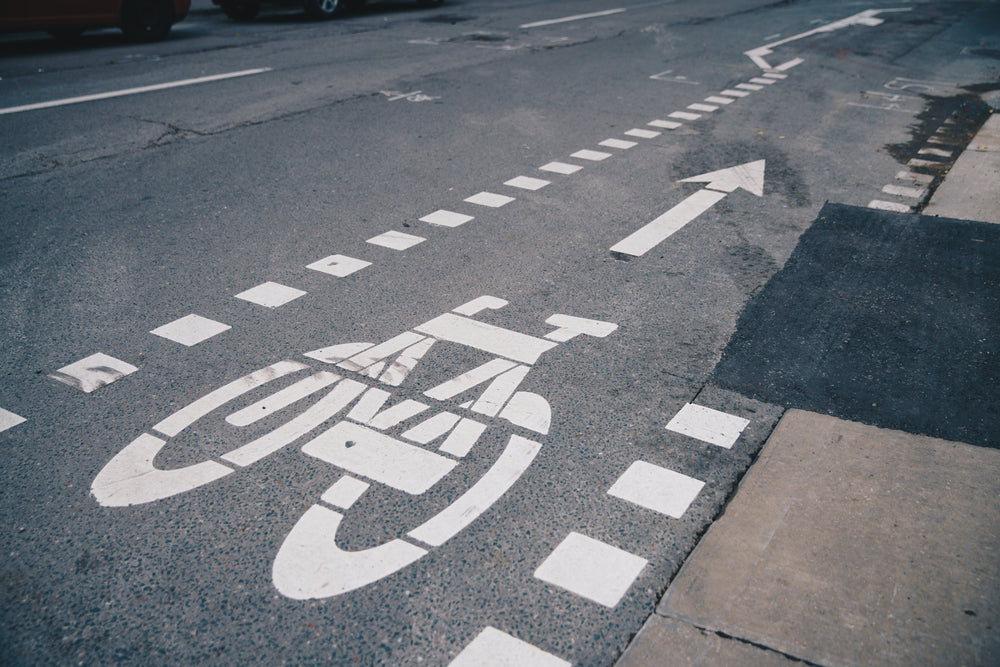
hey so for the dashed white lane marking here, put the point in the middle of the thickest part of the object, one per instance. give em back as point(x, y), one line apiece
point(749, 86)
point(338, 265)
point(575, 17)
point(593, 156)
point(489, 199)
point(561, 168)
point(715, 99)
point(190, 330)
point(93, 372)
point(735, 93)
point(923, 179)
point(935, 151)
point(271, 295)
point(708, 425)
point(9, 420)
point(344, 492)
point(396, 240)
point(904, 191)
point(591, 569)
point(665, 124)
point(527, 183)
point(493, 648)
point(775, 75)
point(895, 207)
point(762, 80)
point(444, 218)
point(917, 162)
point(658, 489)
point(618, 143)
point(642, 134)
point(707, 108)
point(132, 91)
point(685, 115)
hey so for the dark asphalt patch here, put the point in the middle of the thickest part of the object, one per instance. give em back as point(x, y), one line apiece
point(882, 318)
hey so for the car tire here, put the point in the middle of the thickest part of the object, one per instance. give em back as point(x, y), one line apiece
point(241, 10)
point(321, 10)
point(147, 20)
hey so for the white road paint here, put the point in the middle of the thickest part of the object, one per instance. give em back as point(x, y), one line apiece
point(443, 218)
point(432, 428)
point(763, 81)
point(665, 124)
point(749, 176)
point(374, 354)
point(93, 372)
point(368, 453)
point(867, 18)
point(500, 390)
point(591, 569)
point(642, 134)
point(270, 295)
point(658, 489)
point(749, 86)
point(194, 411)
point(340, 266)
point(735, 93)
point(493, 648)
point(618, 143)
point(325, 408)
point(133, 91)
point(489, 199)
point(9, 420)
point(677, 78)
point(345, 492)
point(570, 327)
point(486, 337)
point(902, 191)
point(310, 565)
point(715, 99)
point(530, 411)
point(479, 304)
point(593, 156)
point(130, 478)
point(190, 330)
point(785, 66)
point(895, 207)
point(527, 183)
point(575, 17)
point(939, 152)
point(396, 240)
point(507, 469)
point(561, 168)
point(466, 381)
point(923, 179)
point(917, 162)
point(463, 438)
point(685, 115)
point(708, 425)
point(775, 75)
point(282, 399)
point(707, 108)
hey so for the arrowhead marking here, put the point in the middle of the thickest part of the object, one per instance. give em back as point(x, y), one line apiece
point(749, 176)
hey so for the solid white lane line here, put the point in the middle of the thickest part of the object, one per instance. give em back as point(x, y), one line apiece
point(575, 17)
point(132, 91)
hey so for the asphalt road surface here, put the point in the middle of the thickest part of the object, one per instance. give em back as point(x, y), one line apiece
point(375, 340)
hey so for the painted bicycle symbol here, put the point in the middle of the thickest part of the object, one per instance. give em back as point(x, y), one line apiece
point(309, 563)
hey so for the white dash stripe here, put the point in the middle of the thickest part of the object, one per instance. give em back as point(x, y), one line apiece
point(935, 151)
point(889, 206)
point(496, 648)
point(561, 168)
point(923, 179)
point(901, 191)
point(775, 75)
point(575, 17)
point(708, 108)
point(685, 115)
point(642, 134)
point(715, 99)
point(132, 91)
point(593, 156)
point(763, 81)
point(917, 162)
point(735, 93)
point(444, 218)
point(665, 124)
point(749, 86)
point(618, 143)
point(527, 183)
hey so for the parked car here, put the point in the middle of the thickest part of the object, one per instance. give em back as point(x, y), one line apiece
point(244, 10)
point(140, 20)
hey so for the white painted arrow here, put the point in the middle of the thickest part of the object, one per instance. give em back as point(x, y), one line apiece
point(749, 176)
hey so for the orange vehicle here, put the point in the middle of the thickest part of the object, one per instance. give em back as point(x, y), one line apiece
point(140, 20)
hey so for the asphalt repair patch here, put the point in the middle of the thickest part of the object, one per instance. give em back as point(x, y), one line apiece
point(881, 318)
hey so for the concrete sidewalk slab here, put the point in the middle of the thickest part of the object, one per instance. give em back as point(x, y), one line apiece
point(845, 544)
point(972, 189)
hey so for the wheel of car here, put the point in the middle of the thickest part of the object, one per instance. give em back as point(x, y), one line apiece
point(241, 10)
point(324, 9)
point(147, 20)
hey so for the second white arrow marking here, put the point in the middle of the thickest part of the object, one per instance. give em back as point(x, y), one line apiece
point(749, 176)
